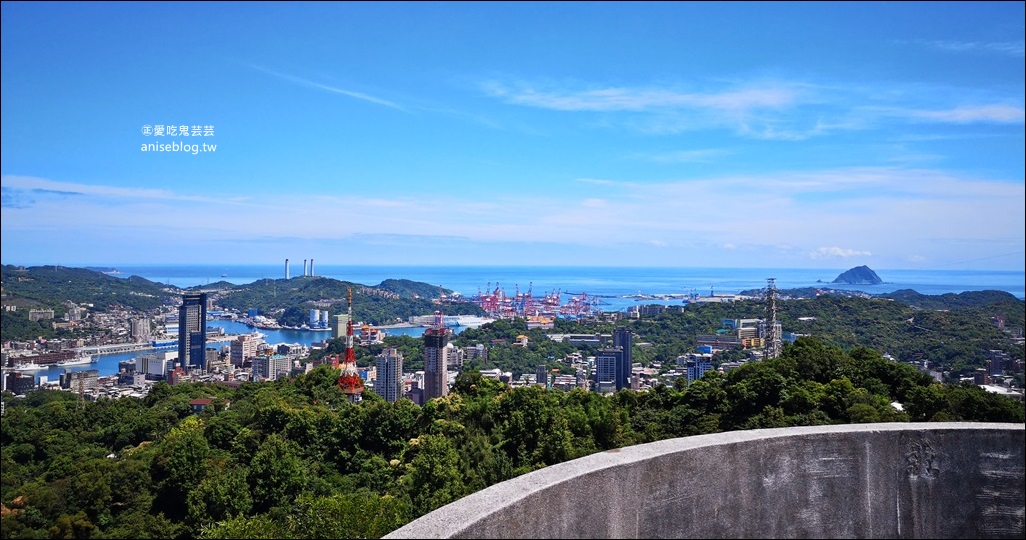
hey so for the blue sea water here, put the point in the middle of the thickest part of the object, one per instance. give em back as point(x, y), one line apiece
point(596, 281)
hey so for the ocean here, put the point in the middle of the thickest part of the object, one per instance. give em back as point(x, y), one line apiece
point(603, 282)
point(610, 285)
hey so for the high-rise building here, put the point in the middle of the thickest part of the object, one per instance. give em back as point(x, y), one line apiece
point(697, 366)
point(244, 348)
point(19, 383)
point(607, 369)
point(272, 366)
point(192, 331)
point(613, 366)
point(140, 329)
point(622, 340)
point(389, 383)
point(436, 375)
point(542, 376)
point(339, 328)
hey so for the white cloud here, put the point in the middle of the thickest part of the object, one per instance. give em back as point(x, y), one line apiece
point(312, 84)
point(1011, 48)
point(641, 99)
point(827, 252)
point(1005, 114)
point(683, 156)
point(598, 181)
point(778, 219)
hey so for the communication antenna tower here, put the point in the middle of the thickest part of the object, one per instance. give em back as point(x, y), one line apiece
point(349, 379)
point(772, 326)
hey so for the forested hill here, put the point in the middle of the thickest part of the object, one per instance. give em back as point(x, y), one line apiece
point(407, 288)
point(968, 299)
point(51, 286)
point(374, 305)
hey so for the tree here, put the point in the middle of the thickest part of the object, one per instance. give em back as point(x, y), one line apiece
point(277, 474)
point(433, 476)
point(222, 494)
point(180, 465)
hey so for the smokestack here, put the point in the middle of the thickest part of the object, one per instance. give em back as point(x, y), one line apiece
point(311, 268)
point(286, 269)
point(304, 267)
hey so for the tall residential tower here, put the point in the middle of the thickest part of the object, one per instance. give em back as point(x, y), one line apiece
point(436, 375)
point(389, 382)
point(192, 331)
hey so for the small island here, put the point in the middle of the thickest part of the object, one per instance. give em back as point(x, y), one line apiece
point(860, 275)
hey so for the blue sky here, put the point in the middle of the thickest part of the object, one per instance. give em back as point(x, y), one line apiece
point(788, 135)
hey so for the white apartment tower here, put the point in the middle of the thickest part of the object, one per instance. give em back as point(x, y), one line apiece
point(389, 383)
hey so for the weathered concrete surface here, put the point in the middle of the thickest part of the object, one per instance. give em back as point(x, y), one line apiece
point(921, 480)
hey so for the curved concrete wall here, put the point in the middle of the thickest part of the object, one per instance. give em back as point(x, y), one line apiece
point(925, 480)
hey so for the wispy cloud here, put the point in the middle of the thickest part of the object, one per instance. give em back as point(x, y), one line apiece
point(783, 218)
point(33, 185)
point(327, 88)
point(707, 155)
point(776, 110)
point(995, 113)
point(640, 99)
point(12, 197)
point(599, 181)
point(844, 253)
point(1010, 48)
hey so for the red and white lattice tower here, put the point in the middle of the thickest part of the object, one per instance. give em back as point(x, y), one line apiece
point(349, 380)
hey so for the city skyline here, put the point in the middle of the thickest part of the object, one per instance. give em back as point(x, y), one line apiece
point(786, 135)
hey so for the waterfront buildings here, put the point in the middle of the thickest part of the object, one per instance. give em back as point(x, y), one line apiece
point(192, 331)
point(155, 365)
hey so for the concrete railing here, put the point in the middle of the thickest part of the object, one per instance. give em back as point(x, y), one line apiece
point(921, 480)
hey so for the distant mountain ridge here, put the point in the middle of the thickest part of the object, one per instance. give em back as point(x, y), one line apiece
point(860, 275)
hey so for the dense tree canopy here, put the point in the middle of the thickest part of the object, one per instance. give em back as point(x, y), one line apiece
point(294, 459)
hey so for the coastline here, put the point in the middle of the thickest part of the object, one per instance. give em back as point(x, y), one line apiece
point(598, 281)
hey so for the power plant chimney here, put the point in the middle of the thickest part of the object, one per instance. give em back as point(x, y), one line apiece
point(286, 269)
point(311, 268)
point(304, 267)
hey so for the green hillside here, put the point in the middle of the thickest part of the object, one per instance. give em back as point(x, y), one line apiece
point(374, 305)
point(51, 286)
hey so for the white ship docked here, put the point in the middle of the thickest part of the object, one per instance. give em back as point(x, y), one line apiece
point(79, 360)
point(27, 366)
